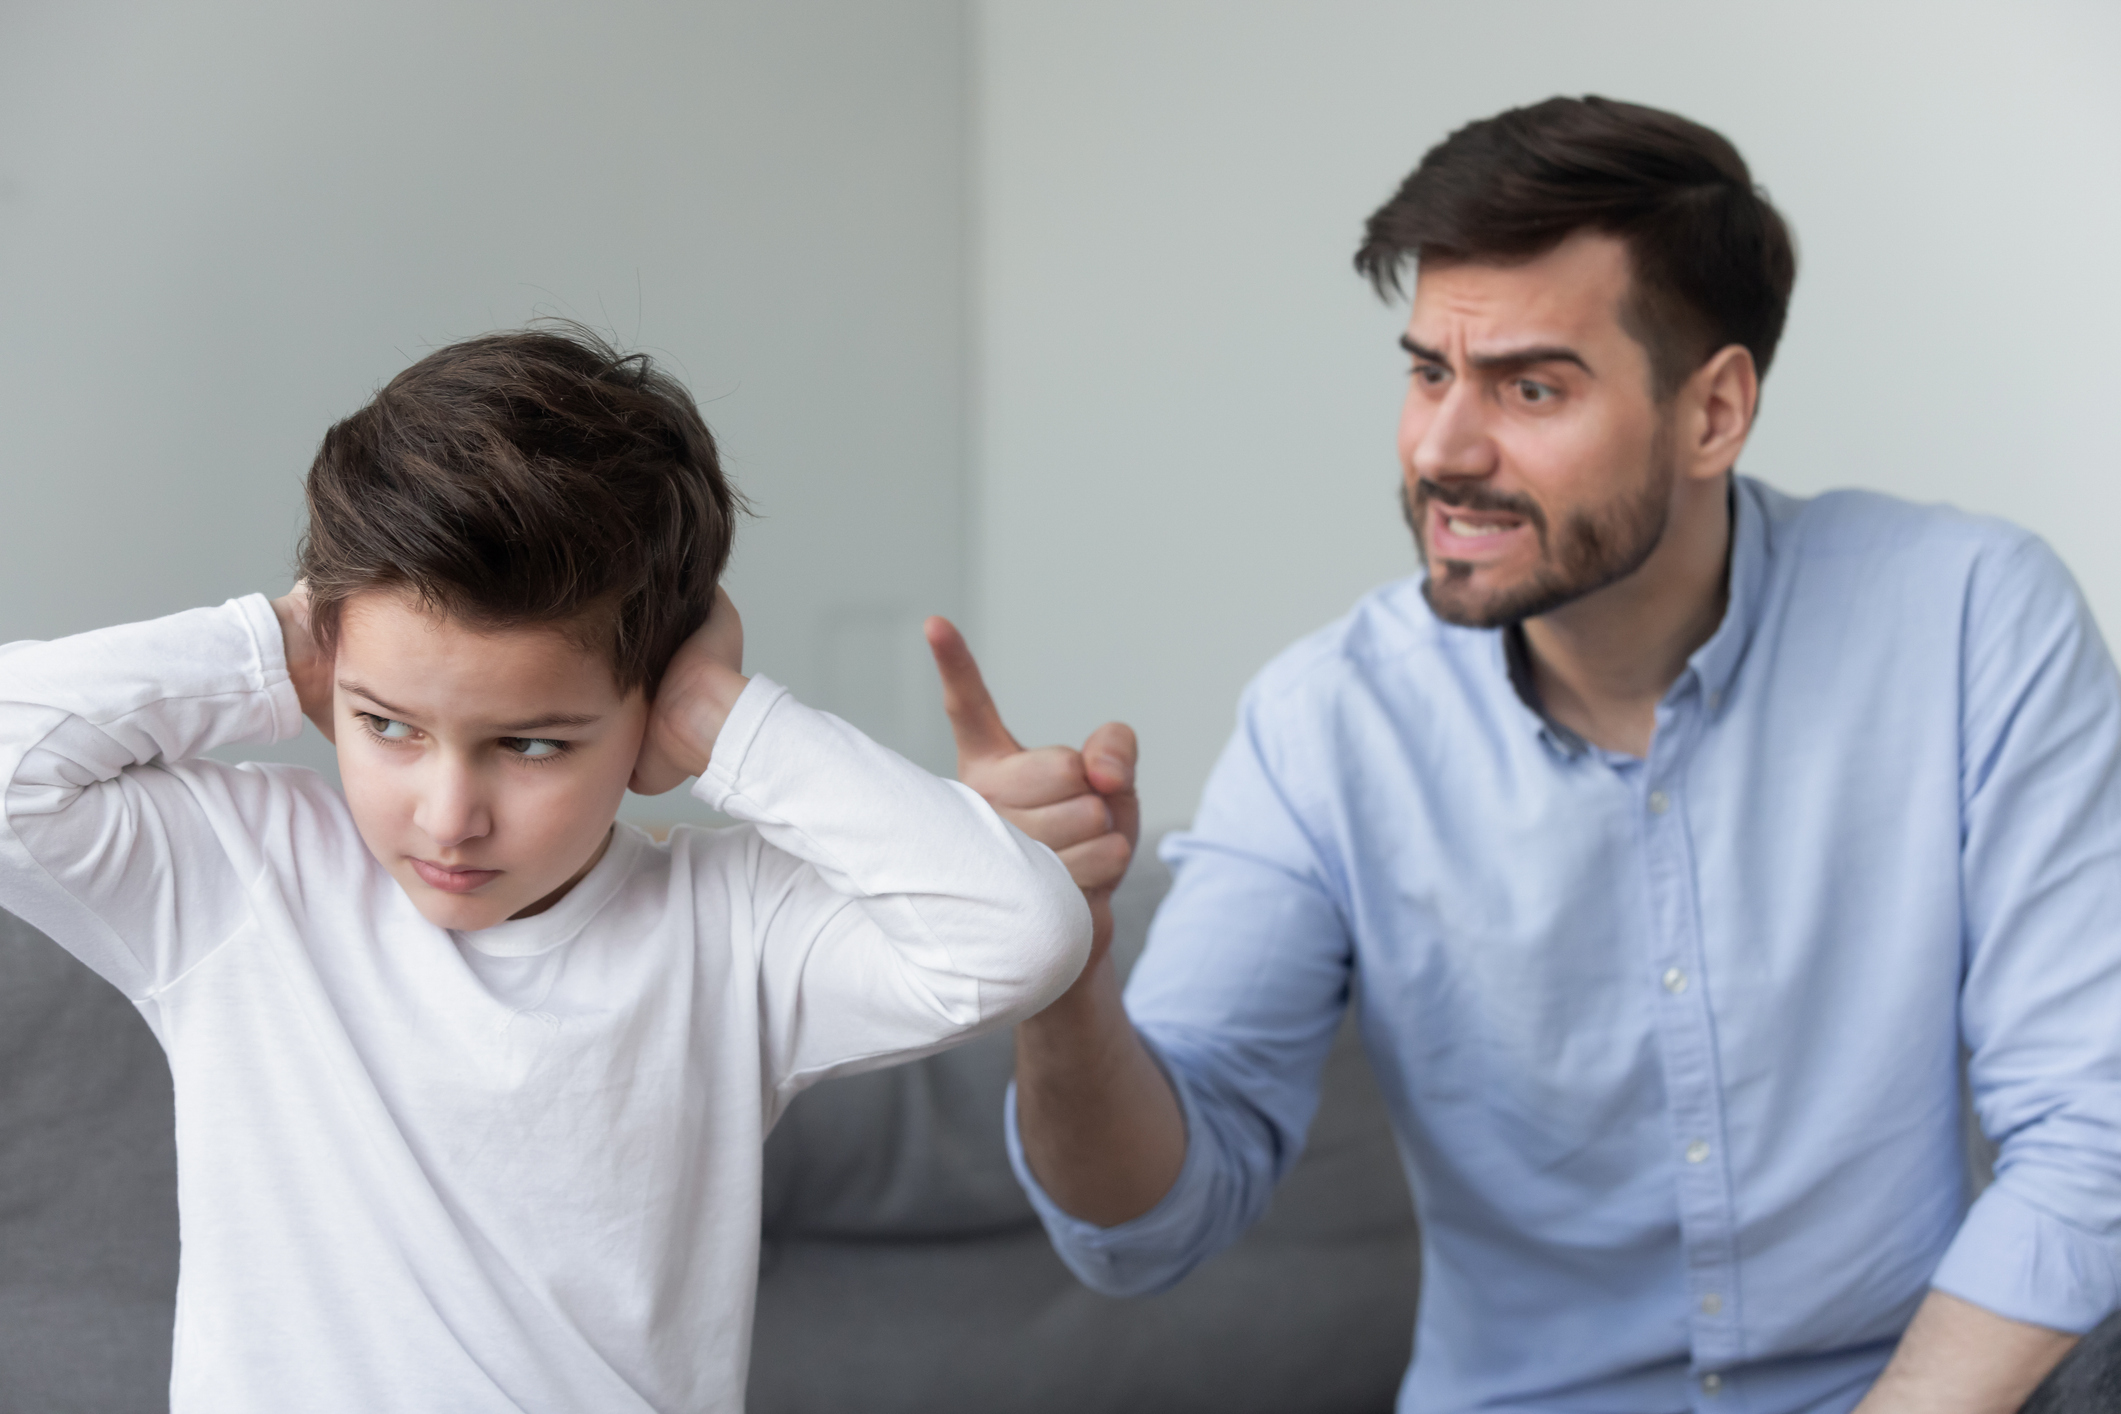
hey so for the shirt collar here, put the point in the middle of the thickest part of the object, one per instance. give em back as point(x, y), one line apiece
point(1517, 662)
point(1714, 663)
point(559, 924)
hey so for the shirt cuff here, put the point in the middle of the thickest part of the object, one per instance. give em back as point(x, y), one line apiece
point(1139, 1256)
point(732, 745)
point(2025, 1264)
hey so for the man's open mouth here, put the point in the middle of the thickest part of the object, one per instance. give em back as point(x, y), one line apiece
point(1460, 525)
point(1459, 534)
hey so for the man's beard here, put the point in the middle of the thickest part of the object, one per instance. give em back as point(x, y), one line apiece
point(1591, 550)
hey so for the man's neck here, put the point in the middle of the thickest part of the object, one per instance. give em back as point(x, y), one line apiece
point(1604, 662)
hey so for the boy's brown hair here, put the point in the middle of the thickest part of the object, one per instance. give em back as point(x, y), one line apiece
point(536, 476)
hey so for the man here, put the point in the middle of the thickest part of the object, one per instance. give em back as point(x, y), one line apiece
point(1671, 837)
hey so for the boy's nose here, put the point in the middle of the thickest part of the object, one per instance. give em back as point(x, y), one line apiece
point(452, 809)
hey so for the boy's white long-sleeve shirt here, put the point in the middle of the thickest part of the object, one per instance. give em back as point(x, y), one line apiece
point(511, 1170)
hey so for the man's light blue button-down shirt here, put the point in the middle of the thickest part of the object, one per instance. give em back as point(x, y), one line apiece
point(1672, 1045)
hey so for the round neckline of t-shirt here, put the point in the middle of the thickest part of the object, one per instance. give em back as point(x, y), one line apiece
point(558, 925)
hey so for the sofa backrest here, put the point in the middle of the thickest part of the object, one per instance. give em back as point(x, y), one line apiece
point(88, 1190)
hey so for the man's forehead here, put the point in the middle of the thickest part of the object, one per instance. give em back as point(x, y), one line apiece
point(1569, 294)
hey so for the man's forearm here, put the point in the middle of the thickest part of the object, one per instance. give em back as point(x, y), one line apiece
point(1959, 1358)
point(1101, 1128)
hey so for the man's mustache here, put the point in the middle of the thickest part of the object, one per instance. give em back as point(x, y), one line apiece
point(1469, 496)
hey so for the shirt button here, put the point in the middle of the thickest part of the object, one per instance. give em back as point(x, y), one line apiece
point(1712, 1384)
point(1674, 981)
point(1659, 802)
point(1711, 1303)
point(1697, 1151)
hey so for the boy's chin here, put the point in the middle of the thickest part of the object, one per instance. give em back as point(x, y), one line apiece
point(462, 913)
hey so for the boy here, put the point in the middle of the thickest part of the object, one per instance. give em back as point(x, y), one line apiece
point(471, 1082)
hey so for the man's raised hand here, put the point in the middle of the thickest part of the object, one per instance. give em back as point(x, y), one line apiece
point(1101, 1125)
point(1079, 804)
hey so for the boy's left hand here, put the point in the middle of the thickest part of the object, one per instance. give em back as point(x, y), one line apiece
point(307, 667)
point(699, 688)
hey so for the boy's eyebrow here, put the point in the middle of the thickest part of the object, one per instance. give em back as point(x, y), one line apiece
point(346, 685)
point(544, 722)
point(1507, 359)
point(550, 720)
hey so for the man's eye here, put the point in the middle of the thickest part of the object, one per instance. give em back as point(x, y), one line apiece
point(1534, 392)
point(1430, 373)
point(533, 748)
point(385, 728)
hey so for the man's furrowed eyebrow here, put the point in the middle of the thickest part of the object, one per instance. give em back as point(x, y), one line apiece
point(544, 722)
point(1526, 357)
point(1506, 358)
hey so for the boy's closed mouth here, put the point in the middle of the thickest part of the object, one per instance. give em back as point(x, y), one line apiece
point(454, 881)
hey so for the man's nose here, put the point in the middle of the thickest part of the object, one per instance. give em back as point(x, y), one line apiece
point(452, 807)
point(1453, 443)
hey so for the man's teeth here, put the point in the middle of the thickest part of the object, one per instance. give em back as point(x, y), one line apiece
point(1472, 528)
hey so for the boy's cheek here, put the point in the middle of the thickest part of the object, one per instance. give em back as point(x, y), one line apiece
point(383, 818)
point(543, 826)
point(363, 803)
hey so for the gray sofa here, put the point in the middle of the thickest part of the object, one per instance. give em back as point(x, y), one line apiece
point(902, 1268)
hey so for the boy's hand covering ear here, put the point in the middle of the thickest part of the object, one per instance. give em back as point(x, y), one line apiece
point(307, 667)
point(1079, 804)
point(701, 685)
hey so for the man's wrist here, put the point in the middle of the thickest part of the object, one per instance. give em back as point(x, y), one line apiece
point(1079, 1024)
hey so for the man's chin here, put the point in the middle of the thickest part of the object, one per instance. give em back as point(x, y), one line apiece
point(1456, 596)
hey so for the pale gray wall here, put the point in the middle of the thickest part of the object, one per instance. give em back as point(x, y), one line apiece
point(1186, 400)
point(222, 224)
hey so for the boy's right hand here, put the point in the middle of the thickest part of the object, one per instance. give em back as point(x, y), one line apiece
point(307, 667)
point(1079, 804)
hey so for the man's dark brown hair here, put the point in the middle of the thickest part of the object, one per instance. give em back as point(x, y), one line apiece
point(536, 476)
point(1713, 262)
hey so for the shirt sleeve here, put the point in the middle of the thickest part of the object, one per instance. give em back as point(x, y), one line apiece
point(897, 914)
point(2040, 1007)
point(1238, 995)
point(107, 844)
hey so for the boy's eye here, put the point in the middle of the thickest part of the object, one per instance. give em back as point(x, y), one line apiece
point(385, 728)
point(533, 747)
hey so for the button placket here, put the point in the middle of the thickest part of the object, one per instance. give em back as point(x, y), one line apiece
point(1686, 1044)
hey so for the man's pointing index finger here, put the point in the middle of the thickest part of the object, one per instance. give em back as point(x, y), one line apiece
point(974, 719)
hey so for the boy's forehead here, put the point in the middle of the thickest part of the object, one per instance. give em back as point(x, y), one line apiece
point(397, 651)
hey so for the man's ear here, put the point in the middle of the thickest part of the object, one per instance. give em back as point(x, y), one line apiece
point(1717, 408)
